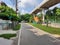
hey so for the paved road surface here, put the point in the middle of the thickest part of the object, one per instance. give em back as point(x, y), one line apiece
point(5, 41)
point(29, 37)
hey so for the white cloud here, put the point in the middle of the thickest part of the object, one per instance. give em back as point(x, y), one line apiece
point(31, 2)
point(23, 5)
point(23, 12)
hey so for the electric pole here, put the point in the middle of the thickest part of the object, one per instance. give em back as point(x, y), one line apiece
point(16, 7)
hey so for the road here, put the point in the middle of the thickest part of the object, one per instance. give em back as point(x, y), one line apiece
point(29, 37)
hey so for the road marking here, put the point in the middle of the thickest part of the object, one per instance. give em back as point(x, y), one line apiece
point(19, 35)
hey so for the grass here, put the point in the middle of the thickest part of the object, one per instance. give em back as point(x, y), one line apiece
point(51, 30)
point(17, 27)
point(8, 36)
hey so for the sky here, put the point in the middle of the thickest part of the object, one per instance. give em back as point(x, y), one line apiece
point(25, 6)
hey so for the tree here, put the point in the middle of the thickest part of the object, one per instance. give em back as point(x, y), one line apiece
point(19, 16)
point(26, 17)
point(58, 15)
point(31, 18)
point(48, 15)
point(8, 13)
point(54, 13)
point(58, 11)
point(3, 14)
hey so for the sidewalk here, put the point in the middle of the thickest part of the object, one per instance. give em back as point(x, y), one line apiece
point(7, 32)
point(4, 41)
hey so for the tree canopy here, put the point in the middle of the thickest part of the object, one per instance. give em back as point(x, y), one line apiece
point(53, 14)
point(26, 17)
point(7, 13)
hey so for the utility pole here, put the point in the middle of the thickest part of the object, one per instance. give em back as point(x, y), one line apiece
point(16, 7)
point(15, 23)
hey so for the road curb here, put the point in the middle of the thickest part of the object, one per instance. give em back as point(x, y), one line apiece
point(19, 35)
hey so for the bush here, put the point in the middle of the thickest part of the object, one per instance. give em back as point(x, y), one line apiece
point(17, 27)
point(8, 36)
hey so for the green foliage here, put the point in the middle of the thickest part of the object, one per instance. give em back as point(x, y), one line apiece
point(31, 19)
point(8, 36)
point(47, 29)
point(26, 17)
point(17, 27)
point(19, 16)
point(58, 11)
point(3, 16)
point(49, 14)
point(7, 13)
point(2, 9)
point(53, 14)
point(14, 17)
point(54, 10)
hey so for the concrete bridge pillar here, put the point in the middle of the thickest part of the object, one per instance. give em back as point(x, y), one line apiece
point(43, 15)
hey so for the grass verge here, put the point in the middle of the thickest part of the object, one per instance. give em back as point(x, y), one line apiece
point(51, 30)
point(8, 36)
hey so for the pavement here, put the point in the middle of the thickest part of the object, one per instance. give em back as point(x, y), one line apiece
point(4, 41)
point(7, 32)
point(33, 36)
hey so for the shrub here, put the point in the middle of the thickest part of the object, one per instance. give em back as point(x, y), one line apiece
point(17, 27)
point(8, 36)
